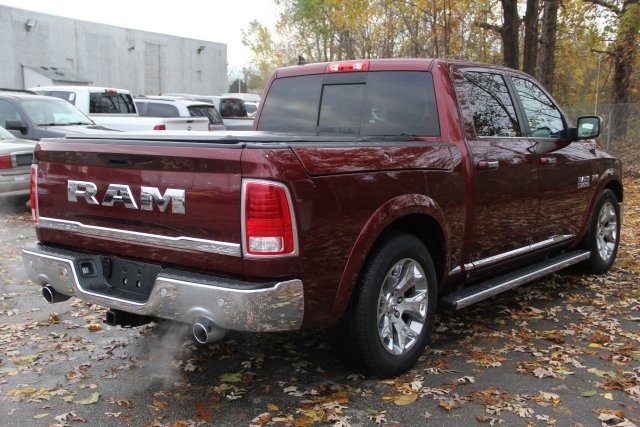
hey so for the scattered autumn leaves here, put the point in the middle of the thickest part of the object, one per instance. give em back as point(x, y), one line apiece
point(562, 351)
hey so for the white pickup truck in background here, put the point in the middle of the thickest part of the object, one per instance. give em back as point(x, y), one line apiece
point(232, 108)
point(115, 109)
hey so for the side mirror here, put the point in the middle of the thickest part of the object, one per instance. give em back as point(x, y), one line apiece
point(588, 127)
point(16, 125)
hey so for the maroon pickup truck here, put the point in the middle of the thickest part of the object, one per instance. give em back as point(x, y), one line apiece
point(370, 193)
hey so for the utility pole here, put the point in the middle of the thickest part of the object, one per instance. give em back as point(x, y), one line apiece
point(595, 113)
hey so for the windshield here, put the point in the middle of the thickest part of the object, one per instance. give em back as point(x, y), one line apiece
point(5, 134)
point(54, 112)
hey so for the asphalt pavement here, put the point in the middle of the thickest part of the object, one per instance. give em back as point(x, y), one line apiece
point(561, 351)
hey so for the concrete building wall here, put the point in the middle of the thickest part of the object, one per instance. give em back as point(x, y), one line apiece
point(143, 62)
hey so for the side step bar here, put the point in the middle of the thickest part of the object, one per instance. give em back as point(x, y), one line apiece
point(499, 284)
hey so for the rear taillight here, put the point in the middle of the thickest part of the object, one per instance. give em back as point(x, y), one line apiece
point(5, 162)
point(268, 222)
point(159, 127)
point(33, 198)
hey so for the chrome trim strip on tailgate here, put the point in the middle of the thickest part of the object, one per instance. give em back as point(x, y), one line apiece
point(180, 296)
point(181, 242)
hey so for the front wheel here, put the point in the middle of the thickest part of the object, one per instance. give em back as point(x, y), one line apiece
point(391, 316)
point(603, 236)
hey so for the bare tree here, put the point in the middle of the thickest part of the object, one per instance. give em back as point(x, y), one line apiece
point(548, 43)
point(531, 37)
point(510, 42)
point(508, 33)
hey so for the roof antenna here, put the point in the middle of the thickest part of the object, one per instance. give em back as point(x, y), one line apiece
point(301, 60)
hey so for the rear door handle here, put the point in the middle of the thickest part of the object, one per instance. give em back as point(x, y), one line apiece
point(488, 164)
point(547, 160)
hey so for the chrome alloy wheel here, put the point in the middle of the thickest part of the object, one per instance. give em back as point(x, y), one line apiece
point(607, 231)
point(402, 306)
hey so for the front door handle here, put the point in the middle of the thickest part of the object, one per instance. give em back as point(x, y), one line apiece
point(488, 164)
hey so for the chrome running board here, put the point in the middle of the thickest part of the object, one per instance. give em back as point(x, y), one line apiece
point(499, 284)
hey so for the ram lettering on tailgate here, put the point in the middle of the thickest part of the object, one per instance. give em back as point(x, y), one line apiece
point(121, 193)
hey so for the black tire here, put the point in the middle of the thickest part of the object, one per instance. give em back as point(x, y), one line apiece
point(387, 327)
point(603, 235)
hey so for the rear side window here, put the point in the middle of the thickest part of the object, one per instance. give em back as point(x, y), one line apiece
point(493, 111)
point(206, 111)
point(111, 103)
point(63, 94)
point(378, 103)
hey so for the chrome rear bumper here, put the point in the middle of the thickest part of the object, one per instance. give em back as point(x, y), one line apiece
point(179, 295)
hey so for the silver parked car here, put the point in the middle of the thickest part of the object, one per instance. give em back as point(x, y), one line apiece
point(16, 156)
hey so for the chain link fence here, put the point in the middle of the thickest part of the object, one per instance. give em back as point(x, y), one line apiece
point(620, 134)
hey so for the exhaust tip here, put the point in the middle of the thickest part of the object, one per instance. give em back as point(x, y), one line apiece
point(51, 296)
point(205, 331)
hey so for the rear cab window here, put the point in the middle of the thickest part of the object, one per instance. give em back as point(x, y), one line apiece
point(111, 103)
point(208, 111)
point(156, 109)
point(232, 107)
point(367, 103)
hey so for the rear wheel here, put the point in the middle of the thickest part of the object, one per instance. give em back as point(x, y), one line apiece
point(603, 236)
point(391, 316)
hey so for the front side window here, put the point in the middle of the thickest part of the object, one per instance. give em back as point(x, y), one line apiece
point(544, 119)
point(8, 112)
point(493, 111)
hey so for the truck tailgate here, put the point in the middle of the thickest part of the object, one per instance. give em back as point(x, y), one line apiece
point(144, 200)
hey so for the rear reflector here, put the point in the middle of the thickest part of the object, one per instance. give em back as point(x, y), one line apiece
point(5, 162)
point(159, 127)
point(33, 198)
point(268, 225)
point(347, 66)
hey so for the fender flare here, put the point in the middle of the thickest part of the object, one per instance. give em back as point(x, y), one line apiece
point(393, 210)
point(604, 180)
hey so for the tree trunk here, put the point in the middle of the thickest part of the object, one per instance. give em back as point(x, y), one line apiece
point(625, 50)
point(548, 43)
point(624, 53)
point(509, 33)
point(531, 37)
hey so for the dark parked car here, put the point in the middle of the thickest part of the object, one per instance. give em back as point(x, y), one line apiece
point(31, 116)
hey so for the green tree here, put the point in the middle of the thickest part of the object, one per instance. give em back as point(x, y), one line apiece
point(237, 86)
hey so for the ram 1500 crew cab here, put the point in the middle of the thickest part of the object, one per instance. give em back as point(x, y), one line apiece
point(371, 193)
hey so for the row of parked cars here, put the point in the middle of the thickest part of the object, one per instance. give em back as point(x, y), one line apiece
point(59, 111)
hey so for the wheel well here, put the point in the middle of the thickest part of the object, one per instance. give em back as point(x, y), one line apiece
point(429, 232)
point(616, 187)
